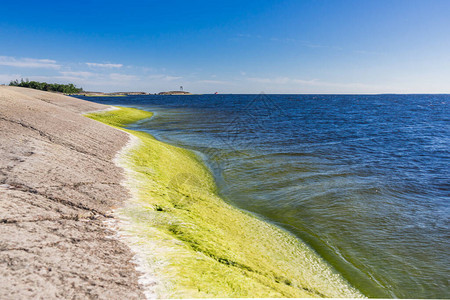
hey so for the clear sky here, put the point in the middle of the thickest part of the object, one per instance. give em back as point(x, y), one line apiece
point(246, 46)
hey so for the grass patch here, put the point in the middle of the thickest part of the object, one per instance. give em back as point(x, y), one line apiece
point(199, 245)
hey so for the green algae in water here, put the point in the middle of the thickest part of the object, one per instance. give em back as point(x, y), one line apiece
point(197, 244)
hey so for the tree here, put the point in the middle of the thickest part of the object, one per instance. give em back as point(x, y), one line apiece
point(44, 86)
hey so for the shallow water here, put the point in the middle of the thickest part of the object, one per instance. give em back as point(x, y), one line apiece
point(362, 179)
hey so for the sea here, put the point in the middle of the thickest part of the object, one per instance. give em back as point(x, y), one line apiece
point(362, 179)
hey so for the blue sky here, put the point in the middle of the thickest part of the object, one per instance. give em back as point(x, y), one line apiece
point(321, 46)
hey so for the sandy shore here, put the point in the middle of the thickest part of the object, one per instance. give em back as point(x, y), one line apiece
point(58, 183)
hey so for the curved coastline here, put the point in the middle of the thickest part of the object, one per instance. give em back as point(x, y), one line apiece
point(196, 243)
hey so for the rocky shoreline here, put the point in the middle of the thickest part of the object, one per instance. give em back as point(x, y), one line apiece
point(58, 184)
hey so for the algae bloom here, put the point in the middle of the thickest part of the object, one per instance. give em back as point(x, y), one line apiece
point(194, 243)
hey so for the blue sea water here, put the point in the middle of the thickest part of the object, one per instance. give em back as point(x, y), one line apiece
point(362, 179)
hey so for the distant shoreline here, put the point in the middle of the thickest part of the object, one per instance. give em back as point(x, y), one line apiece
point(114, 94)
point(122, 94)
point(175, 93)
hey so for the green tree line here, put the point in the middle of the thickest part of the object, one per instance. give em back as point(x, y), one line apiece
point(44, 86)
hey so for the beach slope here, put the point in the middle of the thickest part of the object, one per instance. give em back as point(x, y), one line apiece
point(58, 183)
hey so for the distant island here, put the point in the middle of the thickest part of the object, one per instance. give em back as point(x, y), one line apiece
point(175, 93)
point(118, 94)
point(114, 94)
